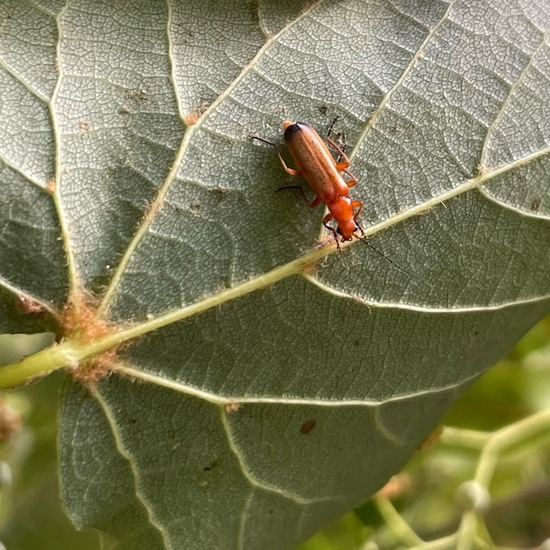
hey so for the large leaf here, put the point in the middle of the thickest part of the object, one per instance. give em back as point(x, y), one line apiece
point(267, 384)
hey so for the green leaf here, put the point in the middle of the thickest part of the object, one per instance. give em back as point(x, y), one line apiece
point(266, 384)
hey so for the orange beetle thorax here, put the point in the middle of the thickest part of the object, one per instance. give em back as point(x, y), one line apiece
point(341, 209)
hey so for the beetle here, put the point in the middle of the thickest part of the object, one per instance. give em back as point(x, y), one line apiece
point(323, 173)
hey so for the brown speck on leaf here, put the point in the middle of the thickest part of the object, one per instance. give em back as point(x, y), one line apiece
point(51, 185)
point(232, 407)
point(483, 169)
point(193, 117)
point(308, 426)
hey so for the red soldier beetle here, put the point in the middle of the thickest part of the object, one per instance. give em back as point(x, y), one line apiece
point(322, 171)
point(317, 165)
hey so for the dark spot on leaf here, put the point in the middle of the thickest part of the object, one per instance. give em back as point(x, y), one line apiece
point(535, 205)
point(211, 466)
point(140, 95)
point(186, 36)
point(219, 196)
point(308, 426)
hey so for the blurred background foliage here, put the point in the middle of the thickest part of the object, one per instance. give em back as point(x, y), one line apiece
point(426, 494)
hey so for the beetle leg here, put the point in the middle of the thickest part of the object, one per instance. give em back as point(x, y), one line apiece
point(339, 165)
point(288, 170)
point(340, 136)
point(352, 181)
point(327, 219)
point(359, 205)
point(315, 201)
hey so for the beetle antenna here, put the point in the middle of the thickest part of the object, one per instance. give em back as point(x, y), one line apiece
point(264, 140)
point(402, 269)
point(334, 121)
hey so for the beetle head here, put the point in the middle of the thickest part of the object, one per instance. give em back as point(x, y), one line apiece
point(347, 229)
